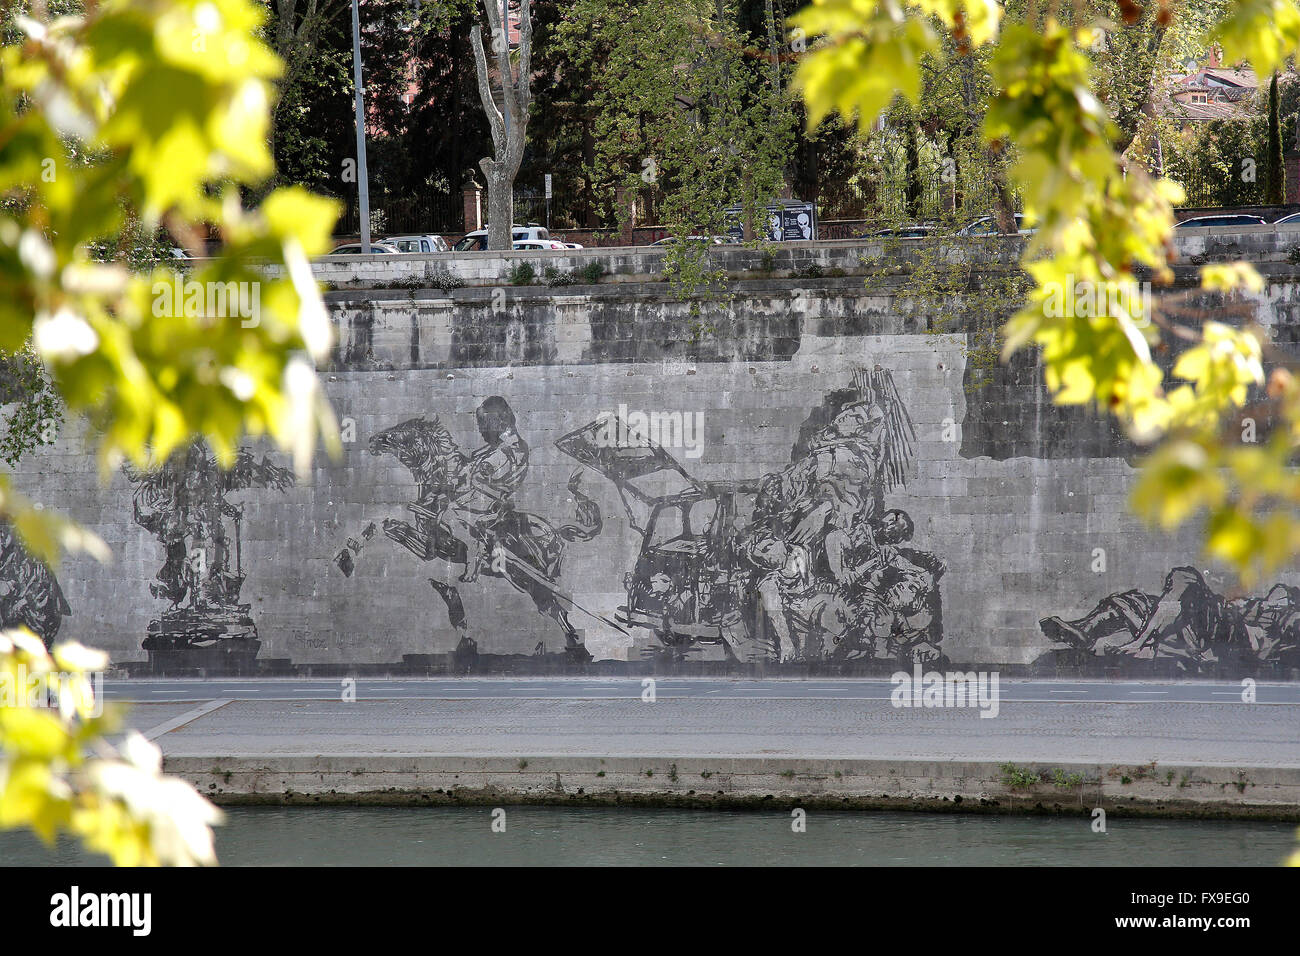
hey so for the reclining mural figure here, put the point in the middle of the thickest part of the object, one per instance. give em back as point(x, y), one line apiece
point(1188, 623)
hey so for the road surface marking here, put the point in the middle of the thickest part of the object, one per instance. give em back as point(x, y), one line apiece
point(185, 718)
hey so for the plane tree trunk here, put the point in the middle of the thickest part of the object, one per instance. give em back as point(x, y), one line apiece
point(515, 97)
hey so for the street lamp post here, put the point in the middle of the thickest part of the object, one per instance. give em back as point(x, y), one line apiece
point(505, 38)
point(363, 183)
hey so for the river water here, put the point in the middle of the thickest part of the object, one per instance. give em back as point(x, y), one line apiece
point(551, 836)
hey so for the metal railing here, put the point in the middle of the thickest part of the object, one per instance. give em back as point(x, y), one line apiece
point(1245, 186)
point(888, 196)
point(390, 215)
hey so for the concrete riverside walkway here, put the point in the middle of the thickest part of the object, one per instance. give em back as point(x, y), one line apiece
point(1152, 756)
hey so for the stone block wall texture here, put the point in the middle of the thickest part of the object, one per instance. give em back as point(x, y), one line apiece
point(1022, 505)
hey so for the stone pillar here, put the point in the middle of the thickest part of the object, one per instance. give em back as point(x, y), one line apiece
point(948, 197)
point(625, 201)
point(473, 208)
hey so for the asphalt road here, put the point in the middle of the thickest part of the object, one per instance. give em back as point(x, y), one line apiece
point(1171, 733)
point(436, 724)
point(619, 688)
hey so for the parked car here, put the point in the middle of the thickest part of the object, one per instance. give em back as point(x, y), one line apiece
point(1235, 219)
point(714, 240)
point(988, 226)
point(546, 244)
point(1288, 220)
point(902, 232)
point(477, 240)
point(573, 245)
point(173, 252)
point(377, 248)
point(419, 243)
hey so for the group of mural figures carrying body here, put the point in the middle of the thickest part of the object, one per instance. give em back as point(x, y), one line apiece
point(830, 566)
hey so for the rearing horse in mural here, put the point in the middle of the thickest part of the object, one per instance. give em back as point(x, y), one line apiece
point(465, 514)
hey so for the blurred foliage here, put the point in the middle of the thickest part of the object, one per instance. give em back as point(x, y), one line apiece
point(125, 130)
point(1108, 226)
point(60, 774)
point(169, 99)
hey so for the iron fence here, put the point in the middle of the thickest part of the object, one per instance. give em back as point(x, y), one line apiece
point(571, 206)
point(1215, 188)
point(418, 214)
point(889, 196)
point(882, 195)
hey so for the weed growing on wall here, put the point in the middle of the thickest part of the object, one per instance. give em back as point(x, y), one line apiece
point(961, 284)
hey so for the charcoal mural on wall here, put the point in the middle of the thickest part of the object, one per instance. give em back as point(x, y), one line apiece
point(1187, 627)
point(184, 504)
point(464, 513)
point(30, 595)
point(802, 565)
point(805, 565)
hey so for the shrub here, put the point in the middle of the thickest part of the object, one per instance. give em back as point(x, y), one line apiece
point(522, 274)
point(592, 272)
point(446, 281)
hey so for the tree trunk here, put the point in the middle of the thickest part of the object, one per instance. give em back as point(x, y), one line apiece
point(1275, 189)
point(1004, 207)
point(913, 187)
point(500, 207)
point(500, 169)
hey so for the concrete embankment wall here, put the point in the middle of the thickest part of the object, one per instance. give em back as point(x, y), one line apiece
point(722, 782)
point(1018, 509)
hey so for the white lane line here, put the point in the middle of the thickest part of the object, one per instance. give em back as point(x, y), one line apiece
point(190, 715)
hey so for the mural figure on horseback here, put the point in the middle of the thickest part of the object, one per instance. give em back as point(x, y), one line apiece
point(464, 513)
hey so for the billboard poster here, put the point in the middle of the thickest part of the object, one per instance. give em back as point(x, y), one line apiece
point(788, 220)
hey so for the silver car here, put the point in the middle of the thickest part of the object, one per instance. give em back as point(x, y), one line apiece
point(354, 249)
point(988, 226)
point(427, 243)
point(1198, 222)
